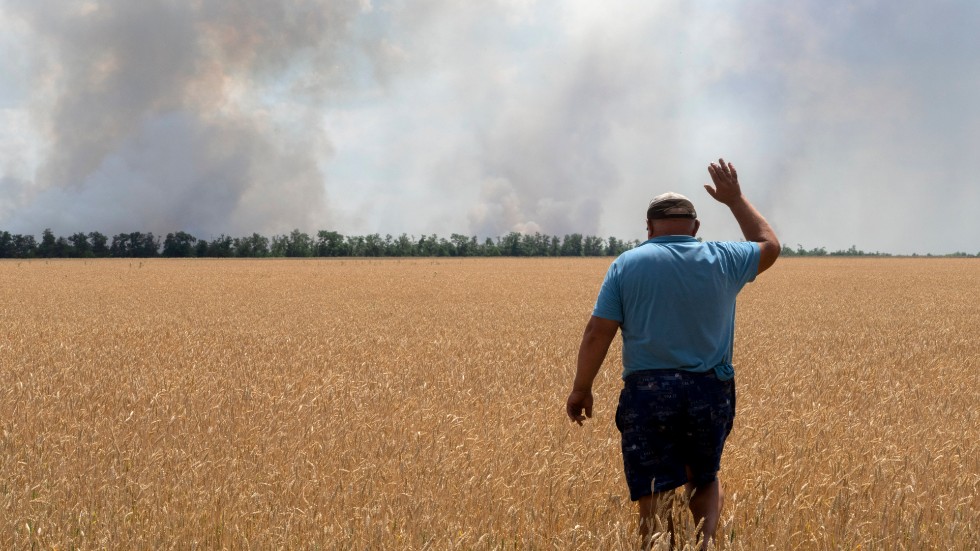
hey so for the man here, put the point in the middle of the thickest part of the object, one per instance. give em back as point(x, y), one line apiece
point(674, 299)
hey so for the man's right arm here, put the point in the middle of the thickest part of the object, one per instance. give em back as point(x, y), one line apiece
point(754, 226)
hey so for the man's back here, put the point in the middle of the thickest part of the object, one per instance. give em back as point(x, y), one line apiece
point(675, 300)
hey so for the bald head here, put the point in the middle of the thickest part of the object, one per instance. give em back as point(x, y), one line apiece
point(672, 226)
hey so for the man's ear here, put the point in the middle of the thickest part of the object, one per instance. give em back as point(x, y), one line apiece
point(697, 226)
point(649, 228)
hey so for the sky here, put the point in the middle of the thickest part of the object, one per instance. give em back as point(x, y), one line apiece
point(850, 123)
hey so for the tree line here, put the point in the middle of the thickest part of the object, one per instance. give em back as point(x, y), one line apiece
point(800, 250)
point(333, 244)
point(300, 244)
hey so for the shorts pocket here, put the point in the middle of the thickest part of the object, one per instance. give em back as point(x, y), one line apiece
point(619, 410)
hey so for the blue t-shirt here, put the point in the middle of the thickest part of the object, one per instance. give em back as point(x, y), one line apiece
point(675, 300)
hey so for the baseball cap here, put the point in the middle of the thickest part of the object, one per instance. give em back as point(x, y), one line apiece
point(670, 205)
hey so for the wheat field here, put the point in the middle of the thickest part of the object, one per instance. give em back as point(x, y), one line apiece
point(419, 404)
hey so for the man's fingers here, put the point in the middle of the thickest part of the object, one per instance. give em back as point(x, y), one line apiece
point(715, 174)
point(724, 170)
point(575, 413)
point(723, 175)
point(710, 190)
point(724, 166)
point(577, 403)
point(720, 179)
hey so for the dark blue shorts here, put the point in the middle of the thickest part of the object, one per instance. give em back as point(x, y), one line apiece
point(671, 420)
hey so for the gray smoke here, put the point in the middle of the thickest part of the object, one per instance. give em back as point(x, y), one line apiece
point(850, 122)
point(548, 172)
point(165, 116)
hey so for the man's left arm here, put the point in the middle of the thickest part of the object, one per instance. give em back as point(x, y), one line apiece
point(599, 334)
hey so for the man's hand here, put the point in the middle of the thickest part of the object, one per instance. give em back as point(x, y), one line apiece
point(726, 188)
point(578, 401)
point(754, 226)
point(599, 333)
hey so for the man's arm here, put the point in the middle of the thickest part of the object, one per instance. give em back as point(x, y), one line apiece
point(599, 333)
point(754, 226)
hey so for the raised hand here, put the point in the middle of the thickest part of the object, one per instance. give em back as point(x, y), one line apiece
point(725, 179)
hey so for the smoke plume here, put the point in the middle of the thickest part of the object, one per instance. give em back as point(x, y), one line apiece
point(164, 116)
point(851, 123)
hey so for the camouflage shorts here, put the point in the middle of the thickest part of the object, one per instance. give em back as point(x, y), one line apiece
point(670, 421)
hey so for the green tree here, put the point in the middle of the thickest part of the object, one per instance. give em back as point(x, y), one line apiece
point(278, 245)
point(354, 245)
point(373, 245)
point(6, 245)
point(99, 244)
point(613, 247)
point(554, 248)
point(299, 244)
point(25, 246)
point(221, 247)
point(462, 245)
point(572, 245)
point(536, 245)
point(510, 244)
point(48, 245)
point(134, 245)
point(427, 246)
point(593, 246)
point(254, 246)
point(529, 245)
point(146, 246)
point(330, 243)
point(63, 248)
point(853, 251)
point(403, 245)
point(201, 250)
point(489, 248)
point(120, 246)
point(178, 245)
point(80, 246)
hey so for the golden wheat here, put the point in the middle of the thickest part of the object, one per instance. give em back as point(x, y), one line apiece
point(419, 404)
